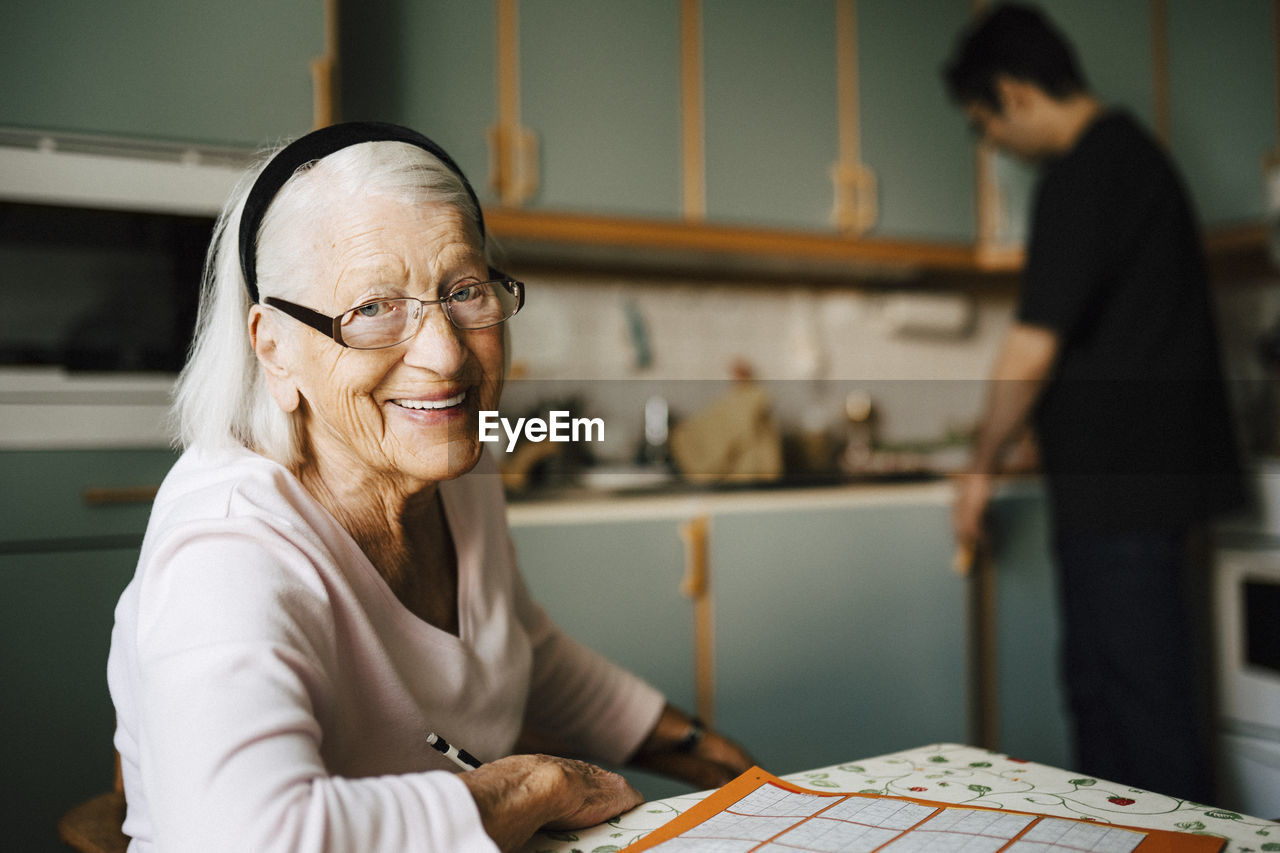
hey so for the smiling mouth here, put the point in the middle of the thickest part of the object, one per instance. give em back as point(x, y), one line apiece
point(446, 403)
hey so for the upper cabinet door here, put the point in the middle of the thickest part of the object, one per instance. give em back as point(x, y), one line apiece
point(430, 65)
point(1114, 43)
point(233, 72)
point(770, 102)
point(1222, 59)
point(915, 141)
point(600, 92)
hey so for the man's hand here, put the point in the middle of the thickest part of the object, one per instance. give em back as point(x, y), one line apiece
point(1020, 373)
point(968, 514)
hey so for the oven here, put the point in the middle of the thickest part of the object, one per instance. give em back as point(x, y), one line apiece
point(1247, 603)
point(102, 242)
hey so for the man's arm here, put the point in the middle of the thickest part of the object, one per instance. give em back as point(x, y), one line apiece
point(1023, 366)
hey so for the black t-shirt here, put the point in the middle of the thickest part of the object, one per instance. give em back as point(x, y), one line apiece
point(1134, 425)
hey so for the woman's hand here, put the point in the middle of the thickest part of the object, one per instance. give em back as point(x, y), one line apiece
point(678, 747)
point(520, 794)
point(593, 794)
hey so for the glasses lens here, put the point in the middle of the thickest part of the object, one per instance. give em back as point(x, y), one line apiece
point(484, 304)
point(380, 324)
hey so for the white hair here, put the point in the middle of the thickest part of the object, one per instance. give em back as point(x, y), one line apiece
point(221, 398)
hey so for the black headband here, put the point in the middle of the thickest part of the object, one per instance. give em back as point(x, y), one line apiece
point(314, 146)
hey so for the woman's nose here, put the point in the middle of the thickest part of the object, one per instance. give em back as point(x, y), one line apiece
point(438, 346)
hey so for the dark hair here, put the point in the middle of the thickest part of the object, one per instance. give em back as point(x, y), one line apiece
point(1017, 41)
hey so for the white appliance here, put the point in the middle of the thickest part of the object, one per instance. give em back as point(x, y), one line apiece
point(82, 170)
point(89, 224)
point(1247, 601)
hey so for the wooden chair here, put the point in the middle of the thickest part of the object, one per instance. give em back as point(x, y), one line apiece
point(94, 825)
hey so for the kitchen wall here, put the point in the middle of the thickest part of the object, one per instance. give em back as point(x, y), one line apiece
point(612, 341)
point(1247, 310)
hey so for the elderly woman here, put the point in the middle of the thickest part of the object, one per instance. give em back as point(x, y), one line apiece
point(327, 578)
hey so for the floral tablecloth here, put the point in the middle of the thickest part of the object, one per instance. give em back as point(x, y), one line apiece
point(952, 773)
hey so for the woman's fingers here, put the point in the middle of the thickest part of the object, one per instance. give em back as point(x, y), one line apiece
point(593, 794)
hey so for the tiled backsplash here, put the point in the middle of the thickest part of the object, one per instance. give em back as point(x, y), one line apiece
point(612, 342)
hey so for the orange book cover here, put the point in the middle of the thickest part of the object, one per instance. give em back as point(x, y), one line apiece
point(760, 812)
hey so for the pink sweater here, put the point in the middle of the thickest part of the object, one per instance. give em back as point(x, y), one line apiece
point(273, 694)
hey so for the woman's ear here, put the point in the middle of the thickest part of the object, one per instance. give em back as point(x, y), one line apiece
point(266, 344)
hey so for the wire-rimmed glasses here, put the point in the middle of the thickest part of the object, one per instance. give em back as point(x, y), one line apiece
point(384, 323)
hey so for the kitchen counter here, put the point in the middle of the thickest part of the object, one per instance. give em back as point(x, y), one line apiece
point(582, 505)
point(48, 408)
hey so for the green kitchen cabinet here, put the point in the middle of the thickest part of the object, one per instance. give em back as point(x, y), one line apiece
point(600, 89)
point(840, 632)
point(769, 72)
point(89, 498)
point(915, 141)
point(229, 73)
point(430, 65)
point(1032, 709)
point(69, 536)
point(598, 85)
point(56, 617)
point(614, 586)
point(70, 530)
point(1222, 91)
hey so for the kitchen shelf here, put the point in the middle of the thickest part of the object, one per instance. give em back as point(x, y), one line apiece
point(651, 247)
point(541, 238)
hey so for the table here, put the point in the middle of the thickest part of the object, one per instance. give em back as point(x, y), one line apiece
point(953, 773)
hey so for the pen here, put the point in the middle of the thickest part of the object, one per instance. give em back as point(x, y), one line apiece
point(460, 757)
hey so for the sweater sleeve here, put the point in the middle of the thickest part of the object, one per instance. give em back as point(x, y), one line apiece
point(578, 695)
point(230, 703)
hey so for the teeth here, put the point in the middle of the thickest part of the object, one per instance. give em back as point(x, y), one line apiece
point(432, 404)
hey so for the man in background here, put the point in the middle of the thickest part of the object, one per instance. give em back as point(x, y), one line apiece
point(1113, 358)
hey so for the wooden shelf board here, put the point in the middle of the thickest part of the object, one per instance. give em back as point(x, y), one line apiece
point(543, 239)
point(542, 235)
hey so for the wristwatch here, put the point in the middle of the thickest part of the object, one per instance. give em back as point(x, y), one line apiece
point(692, 738)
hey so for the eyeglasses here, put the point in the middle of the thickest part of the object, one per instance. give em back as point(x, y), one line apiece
point(387, 322)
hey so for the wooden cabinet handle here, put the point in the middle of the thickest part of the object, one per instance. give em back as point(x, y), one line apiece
point(984, 691)
point(694, 534)
point(117, 495)
point(697, 586)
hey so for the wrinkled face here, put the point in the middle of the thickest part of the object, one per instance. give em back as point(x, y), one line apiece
point(408, 411)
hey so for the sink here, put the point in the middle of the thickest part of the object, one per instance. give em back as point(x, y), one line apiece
point(612, 478)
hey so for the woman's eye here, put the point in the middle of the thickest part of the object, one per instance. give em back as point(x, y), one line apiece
point(464, 294)
point(383, 309)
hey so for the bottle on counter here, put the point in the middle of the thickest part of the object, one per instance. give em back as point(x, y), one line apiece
point(655, 448)
point(860, 433)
